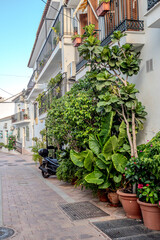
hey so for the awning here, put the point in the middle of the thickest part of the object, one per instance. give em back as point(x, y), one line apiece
point(81, 6)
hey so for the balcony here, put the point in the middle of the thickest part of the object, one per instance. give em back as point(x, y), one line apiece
point(32, 82)
point(123, 16)
point(72, 3)
point(56, 92)
point(152, 3)
point(50, 57)
point(38, 88)
point(133, 27)
point(21, 118)
point(51, 42)
point(153, 14)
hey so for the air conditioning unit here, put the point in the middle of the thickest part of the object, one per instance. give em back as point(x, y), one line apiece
point(5, 126)
point(71, 70)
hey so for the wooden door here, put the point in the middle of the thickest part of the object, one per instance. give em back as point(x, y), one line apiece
point(83, 22)
point(91, 16)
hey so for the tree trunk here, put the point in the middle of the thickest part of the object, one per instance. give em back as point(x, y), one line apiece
point(134, 135)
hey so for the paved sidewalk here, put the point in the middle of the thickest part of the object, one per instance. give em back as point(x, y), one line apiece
point(30, 204)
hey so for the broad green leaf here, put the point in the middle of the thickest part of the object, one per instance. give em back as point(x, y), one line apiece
point(129, 104)
point(101, 85)
point(101, 104)
point(94, 144)
point(122, 134)
point(103, 76)
point(114, 141)
point(108, 109)
point(88, 161)
point(94, 178)
point(105, 185)
point(76, 158)
point(106, 127)
point(117, 179)
point(100, 164)
point(110, 146)
point(107, 149)
point(119, 162)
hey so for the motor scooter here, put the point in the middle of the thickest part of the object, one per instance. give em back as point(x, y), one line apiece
point(49, 164)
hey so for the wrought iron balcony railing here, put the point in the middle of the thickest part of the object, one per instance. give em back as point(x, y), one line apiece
point(32, 83)
point(57, 91)
point(151, 3)
point(123, 16)
point(20, 116)
point(126, 25)
point(62, 25)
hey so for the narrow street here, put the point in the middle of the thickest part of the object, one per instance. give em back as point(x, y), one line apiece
point(47, 209)
point(31, 205)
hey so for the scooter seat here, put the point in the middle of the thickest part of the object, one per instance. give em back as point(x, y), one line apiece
point(53, 160)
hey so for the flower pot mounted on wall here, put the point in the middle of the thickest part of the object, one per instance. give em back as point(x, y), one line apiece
point(103, 9)
point(77, 41)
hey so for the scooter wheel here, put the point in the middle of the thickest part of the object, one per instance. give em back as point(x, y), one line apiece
point(45, 175)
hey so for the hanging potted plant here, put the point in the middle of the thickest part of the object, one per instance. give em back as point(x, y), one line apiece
point(104, 7)
point(77, 40)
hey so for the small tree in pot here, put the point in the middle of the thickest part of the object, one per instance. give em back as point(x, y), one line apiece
point(110, 69)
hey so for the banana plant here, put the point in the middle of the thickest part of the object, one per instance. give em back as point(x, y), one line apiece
point(104, 159)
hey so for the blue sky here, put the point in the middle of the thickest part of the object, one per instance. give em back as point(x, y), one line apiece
point(19, 21)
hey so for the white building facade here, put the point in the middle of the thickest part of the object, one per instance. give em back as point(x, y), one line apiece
point(140, 20)
point(53, 53)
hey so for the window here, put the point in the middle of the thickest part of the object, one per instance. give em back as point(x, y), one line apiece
point(1, 134)
point(27, 133)
point(18, 134)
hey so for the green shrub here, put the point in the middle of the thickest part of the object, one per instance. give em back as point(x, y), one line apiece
point(11, 142)
point(38, 145)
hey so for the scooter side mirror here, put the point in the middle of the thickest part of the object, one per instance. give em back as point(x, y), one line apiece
point(43, 152)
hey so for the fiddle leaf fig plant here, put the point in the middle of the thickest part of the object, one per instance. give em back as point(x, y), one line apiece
point(110, 69)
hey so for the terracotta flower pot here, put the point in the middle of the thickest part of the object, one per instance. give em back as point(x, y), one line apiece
point(103, 8)
point(77, 41)
point(130, 205)
point(102, 196)
point(113, 198)
point(73, 182)
point(151, 215)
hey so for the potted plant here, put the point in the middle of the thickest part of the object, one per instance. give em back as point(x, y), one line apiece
point(76, 39)
point(149, 183)
point(102, 195)
point(127, 197)
point(149, 201)
point(104, 6)
point(113, 198)
point(103, 161)
point(25, 116)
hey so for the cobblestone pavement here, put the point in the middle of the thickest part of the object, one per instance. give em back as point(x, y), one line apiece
point(30, 204)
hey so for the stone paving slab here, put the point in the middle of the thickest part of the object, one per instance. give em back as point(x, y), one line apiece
point(30, 206)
